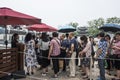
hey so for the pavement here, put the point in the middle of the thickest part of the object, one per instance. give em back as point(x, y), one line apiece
point(64, 75)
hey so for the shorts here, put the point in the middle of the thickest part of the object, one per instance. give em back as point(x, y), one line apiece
point(86, 62)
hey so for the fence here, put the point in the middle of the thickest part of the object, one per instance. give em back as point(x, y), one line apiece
point(8, 61)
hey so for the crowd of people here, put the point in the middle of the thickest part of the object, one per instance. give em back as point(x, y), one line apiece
point(45, 50)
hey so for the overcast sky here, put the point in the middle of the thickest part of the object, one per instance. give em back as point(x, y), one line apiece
point(60, 12)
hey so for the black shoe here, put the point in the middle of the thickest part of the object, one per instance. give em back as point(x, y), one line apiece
point(28, 74)
point(92, 66)
point(32, 73)
point(115, 75)
point(83, 74)
point(64, 70)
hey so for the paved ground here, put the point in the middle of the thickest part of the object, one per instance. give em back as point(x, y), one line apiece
point(63, 75)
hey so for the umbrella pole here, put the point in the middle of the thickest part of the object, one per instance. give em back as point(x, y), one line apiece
point(6, 42)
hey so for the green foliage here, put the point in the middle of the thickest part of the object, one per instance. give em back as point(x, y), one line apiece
point(113, 20)
point(93, 31)
point(74, 24)
point(94, 25)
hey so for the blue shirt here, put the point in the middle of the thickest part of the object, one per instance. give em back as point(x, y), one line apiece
point(103, 46)
point(63, 43)
point(67, 42)
point(73, 41)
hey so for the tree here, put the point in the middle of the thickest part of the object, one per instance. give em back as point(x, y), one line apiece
point(94, 25)
point(74, 24)
point(113, 20)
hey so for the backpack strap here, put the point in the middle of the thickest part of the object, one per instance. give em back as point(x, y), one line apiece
point(57, 41)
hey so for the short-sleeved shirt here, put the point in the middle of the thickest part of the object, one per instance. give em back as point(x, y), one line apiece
point(116, 51)
point(88, 49)
point(73, 41)
point(103, 46)
point(44, 45)
point(67, 42)
point(63, 43)
point(56, 47)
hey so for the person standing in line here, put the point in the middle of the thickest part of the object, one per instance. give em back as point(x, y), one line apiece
point(54, 53)
point(14, 40)
point(101, 54)
point(86, 54)
point(63, 51)
point(108, 54)
point(67, 42)
point(77, 51)
point(30, 56)
point(72, 54)
point(116, 48)
point(91, 39)
point(44, 47)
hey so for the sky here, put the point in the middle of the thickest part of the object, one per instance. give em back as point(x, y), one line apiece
point(61, 12)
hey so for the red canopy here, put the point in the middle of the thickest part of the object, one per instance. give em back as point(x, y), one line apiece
point(11, 17)
point(41, 27)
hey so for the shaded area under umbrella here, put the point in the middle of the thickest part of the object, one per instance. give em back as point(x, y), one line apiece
point(41, 27)
point(2, 30)
point(66, 29)
point(110, 27)
point(11, 17)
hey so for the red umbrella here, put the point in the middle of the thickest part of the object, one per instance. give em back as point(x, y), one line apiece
point(11, 17)
point(41, 27)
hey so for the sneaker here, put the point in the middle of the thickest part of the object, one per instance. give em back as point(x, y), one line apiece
point(54, 76)
point(70, 76)
point(43, 74)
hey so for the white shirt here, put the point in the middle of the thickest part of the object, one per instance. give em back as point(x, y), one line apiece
point(43, 45)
